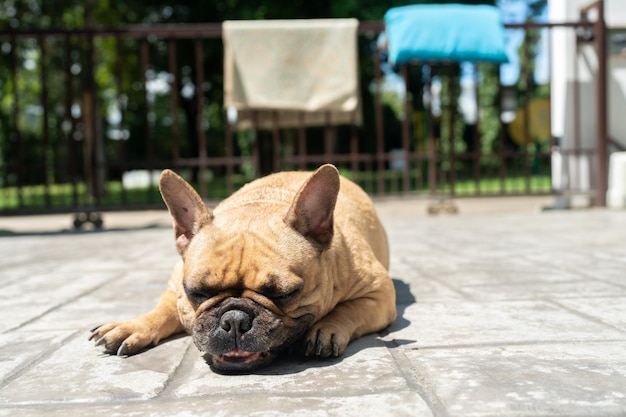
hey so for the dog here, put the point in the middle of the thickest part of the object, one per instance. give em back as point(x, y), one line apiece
point(293, 260)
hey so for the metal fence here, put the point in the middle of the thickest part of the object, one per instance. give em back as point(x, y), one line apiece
point(89, 116)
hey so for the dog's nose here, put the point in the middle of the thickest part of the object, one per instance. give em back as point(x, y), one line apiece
point(235, 322)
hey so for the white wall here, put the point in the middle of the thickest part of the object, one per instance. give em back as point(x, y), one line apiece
point(573, 172)
point(614, 13)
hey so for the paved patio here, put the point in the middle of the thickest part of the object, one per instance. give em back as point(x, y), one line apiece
point(505, 310)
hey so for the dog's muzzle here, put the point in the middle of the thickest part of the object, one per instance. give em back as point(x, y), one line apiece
point(234, 338)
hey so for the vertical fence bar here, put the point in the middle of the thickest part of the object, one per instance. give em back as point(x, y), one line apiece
point(380, 140)
point(526, 127)
point(354, 149)
point(17, 134)
point(576, 154)
point(328, 137)
point(45, 146)
point(476, 133)
point(202, 144)
point(552, 140)
point(432, 146)
point(228, 138)
point(121, 102)
point(451, 119)
point(406, 147)
point(69, 120)
point(94, 151)
point(502, 153)
point(256, 148)
point(275, 142)
point(418, 156)
point(149, 138)
point(301, 142)
point(601, 106)
point(173, 70)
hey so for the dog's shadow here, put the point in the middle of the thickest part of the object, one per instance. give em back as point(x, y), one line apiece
point(292, 364)
point(404, 298)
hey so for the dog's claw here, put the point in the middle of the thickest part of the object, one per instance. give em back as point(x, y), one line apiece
point(318, 348)
point(335, 350)
point(94, 332)
point(123, 350)
point(100, 341)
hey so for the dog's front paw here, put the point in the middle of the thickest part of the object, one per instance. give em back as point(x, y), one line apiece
point(123, 338)
point(324, 340)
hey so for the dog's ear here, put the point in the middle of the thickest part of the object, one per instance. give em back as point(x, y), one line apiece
point(185, 206)
point(311, 212)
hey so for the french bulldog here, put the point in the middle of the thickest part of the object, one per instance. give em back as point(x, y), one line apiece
point(294, 260)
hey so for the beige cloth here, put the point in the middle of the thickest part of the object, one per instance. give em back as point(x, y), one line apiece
point(282, 72)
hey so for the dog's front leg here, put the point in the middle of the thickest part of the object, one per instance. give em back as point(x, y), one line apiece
point(349, 320)
point(132, 336)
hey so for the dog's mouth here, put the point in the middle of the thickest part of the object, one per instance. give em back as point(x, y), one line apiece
point(239, 361)
point(241, 356)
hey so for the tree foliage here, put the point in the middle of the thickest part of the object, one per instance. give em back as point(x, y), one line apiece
point(120, 86)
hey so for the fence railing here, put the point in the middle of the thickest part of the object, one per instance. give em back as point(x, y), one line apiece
point(89, 116)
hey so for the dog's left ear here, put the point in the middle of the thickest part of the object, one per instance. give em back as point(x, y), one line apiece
point(185, 206)
point(311, 213)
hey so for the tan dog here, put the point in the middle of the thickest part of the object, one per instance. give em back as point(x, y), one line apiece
point(289, 258)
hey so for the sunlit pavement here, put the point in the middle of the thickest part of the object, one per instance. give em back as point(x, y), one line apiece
point(504, 310)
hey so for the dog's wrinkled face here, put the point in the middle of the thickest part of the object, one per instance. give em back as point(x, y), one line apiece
point(254, 273)
point(250, 301)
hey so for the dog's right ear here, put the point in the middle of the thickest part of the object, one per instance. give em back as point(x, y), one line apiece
point(187, 209)
point(311, 212)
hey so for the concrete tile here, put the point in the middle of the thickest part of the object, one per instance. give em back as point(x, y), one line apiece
point(426, 290)
point(18, 350)
point(54, 286)
point(470, 323)
point(129, 295)
point(79, 373)
point(609, 310)
point(366, 368)
point(607, 270)
point(569, 379)
point(33, 296)
point(458, 273)
point(234, 404)
point(22, 271)
point(537, 290)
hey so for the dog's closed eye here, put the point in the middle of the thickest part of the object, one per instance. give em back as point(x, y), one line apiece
point(198, 296)
point(282, 296)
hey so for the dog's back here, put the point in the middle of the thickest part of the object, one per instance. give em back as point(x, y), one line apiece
point(275, 193)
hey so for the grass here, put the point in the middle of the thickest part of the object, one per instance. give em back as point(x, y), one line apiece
point(511, 185)
point(68, 197)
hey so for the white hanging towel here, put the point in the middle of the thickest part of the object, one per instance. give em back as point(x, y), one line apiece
point(286, 72)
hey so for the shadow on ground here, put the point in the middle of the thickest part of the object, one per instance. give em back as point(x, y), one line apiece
point(71, 232)
point(291, 364)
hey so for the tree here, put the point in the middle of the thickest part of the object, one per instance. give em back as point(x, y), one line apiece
point(116, 88)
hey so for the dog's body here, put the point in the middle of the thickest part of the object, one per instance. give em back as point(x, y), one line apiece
point(287, 258)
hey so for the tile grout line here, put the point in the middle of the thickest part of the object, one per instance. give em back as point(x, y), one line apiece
point(416, 382)
point(172, 381)
point(62, 304)
point(13, 375)
point(584, 315)
point(518, 344)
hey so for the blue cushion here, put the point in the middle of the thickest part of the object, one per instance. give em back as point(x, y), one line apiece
point(445, 32)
